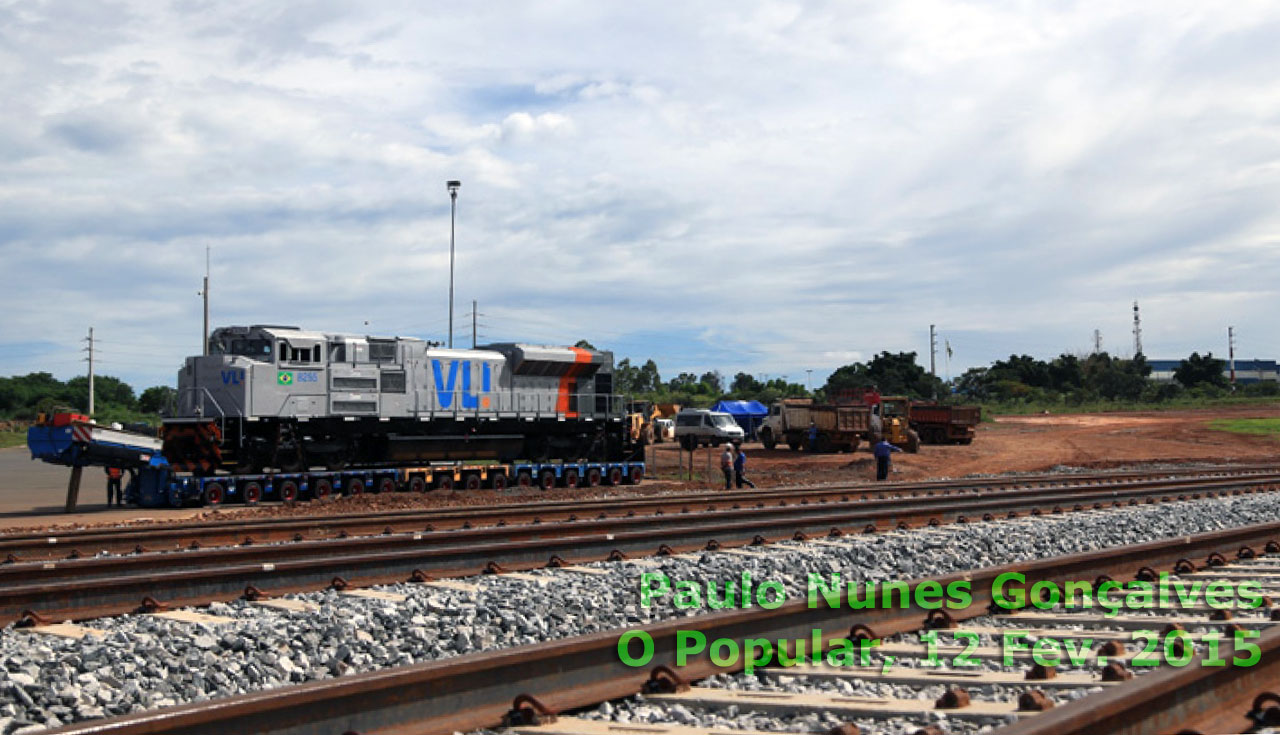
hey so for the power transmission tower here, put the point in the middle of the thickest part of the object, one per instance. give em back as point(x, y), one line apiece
point(1137, 331)
point(1097, 341)
point(89, 349)
point(1231, 354)
point(475, 323)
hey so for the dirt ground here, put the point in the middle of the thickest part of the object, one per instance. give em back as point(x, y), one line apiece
point(32, 493)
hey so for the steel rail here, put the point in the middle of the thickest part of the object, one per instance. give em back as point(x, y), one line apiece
point(30, 597)
point(172, 536)
point(882, 513)
point(1191, 700)
point(478, 690)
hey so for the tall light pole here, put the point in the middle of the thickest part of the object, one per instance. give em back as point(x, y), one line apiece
point(453, 212)
point(808, 374)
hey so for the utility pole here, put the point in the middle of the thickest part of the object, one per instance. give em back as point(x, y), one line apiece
point(90, 351)
point(933, 359)
point(453, 212)
point(808, 380)
point(1097, 341)
point(1137, 331)
point(1231, 354)
point(204, 336)
point(473, 324)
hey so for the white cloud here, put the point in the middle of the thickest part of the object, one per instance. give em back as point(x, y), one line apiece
point(815, 182)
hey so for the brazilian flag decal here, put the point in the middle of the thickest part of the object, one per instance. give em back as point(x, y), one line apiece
point(284, 377)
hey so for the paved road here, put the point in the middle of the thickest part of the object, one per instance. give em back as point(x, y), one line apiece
point(34, 493)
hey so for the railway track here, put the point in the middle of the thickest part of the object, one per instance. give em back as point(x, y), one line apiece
point(88, 588)
point(525, 686)
point(32, 546)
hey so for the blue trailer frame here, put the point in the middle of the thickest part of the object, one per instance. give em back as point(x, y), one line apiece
point(154, 484)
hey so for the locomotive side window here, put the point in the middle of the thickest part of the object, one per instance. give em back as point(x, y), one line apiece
point(284, 351)
point(338, 352)
point(257, 348)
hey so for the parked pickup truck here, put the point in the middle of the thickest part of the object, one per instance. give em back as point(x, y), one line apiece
point(840, 428)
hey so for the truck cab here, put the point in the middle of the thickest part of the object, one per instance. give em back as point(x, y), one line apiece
point(697, 427)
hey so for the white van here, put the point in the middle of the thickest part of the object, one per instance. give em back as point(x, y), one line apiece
point(698, 426)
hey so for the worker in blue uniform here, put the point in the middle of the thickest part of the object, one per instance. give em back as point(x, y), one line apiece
point(740, 468)
point(813, 437)
point(883, 450)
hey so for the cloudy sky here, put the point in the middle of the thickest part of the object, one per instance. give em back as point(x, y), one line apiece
point(760, 186)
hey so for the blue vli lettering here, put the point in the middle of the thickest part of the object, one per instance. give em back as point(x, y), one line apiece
point(232, 377)
point(469, 399)
point(444, 390)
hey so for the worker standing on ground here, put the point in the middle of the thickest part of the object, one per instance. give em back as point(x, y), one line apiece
point(813, 437)
point(726, 466)
point(740, 468)
point(883, 450)
point(114, 496)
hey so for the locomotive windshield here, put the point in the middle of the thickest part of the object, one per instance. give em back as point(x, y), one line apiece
point(257, 348)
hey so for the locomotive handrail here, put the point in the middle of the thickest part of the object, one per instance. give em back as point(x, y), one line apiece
point(203, 392)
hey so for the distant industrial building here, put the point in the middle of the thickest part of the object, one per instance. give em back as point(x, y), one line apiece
point(1247, 371)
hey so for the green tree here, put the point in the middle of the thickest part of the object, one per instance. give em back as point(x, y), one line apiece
point(1196, 371)
point(744, 386)
point(156, 398)
point(712, 382)
point(582, 344)
point(107, 391)
point(683, 382)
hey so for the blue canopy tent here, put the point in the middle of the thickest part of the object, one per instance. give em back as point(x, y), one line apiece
point(748, 414)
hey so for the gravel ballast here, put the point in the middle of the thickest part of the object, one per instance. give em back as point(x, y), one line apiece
point(143, 662)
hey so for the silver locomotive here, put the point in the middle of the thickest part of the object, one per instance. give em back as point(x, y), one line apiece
point(288, 398)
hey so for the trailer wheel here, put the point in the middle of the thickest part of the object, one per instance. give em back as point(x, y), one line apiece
point(524, 479)
point(637, 475)
point(615, 475)
point(355, 486)
point(472, 482)
point(289, 491)
point(444, 482)
point(794, 445)
point(214, 493)
point(593, 477)
point(387, 485)
point(498, 481)
point(323, 489)
point(967, 441)
point(252, 493)
point(547, 480)
point(570, 478)
point(417, 484)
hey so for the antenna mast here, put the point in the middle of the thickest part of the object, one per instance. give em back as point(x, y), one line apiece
point(1137, 331)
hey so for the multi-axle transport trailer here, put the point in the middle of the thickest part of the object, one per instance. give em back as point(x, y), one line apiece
point(152, 482)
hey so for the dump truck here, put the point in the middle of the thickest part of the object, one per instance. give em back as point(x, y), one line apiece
point(944, 424)
point(890, 416)
point(840, 428)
